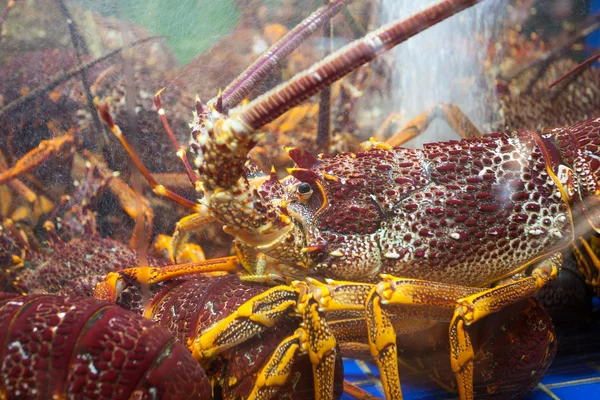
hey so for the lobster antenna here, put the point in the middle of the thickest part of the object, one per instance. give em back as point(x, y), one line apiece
point(65, 76)
point(235, 92)
point(589, 25)
point(81, 48)
point(272, 104)
point(324, 118)
point(575, 72)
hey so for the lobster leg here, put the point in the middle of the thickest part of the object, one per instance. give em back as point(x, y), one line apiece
point(588, 262)
point(184, 228)
point(110, 288)
point(275, 373)
point(451, 113)
point(190, 252)
point(382, 341)
point(466, 305)
point(477, 306)
point(381, 332)
point(262, 312)
point(252, 317)
point(38, 155)
point(124, 194)
point(158, 189)
point(40, 204)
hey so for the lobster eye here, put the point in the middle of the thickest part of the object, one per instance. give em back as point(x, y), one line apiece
point(304, 191)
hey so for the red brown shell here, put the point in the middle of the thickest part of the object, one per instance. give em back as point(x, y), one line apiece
point(86, 348)
point(467, 212)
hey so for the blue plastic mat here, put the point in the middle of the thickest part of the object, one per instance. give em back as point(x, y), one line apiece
point(574, 373)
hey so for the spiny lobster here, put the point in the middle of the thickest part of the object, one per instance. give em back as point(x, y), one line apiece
point(188, 306)
point(469, 226)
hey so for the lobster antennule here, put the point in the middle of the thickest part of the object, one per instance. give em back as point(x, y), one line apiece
point(259, 69)
point(274, 103)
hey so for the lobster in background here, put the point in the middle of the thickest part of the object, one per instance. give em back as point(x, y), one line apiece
point(452, 220)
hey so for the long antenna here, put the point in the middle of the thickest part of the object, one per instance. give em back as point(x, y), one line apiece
point(272, 104)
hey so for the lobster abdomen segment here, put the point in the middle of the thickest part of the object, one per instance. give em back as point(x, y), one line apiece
point(85, 348)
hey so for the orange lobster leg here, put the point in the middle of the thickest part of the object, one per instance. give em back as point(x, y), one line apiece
point(252, 317)
point(466, 304)
point(35, 157)
point(316, 339)
point(275, 373)
point(184, 228)
point(109, 288)
point(263, 311)
point(191, 252)
point(158, 189)
point(451, 113)
point(588, 262)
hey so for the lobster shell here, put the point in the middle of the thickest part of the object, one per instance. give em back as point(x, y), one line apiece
point(83, 348)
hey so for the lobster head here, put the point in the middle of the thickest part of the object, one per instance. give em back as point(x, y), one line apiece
point(339, 207)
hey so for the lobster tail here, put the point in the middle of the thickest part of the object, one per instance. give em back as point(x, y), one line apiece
point(77, 347)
